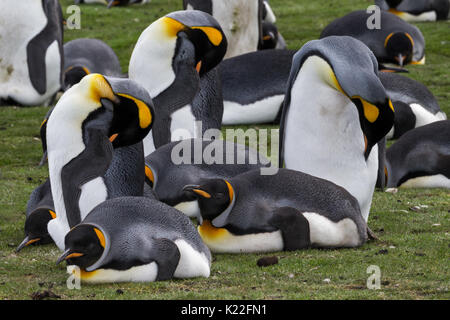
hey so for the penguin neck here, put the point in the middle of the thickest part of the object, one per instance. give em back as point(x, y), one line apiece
point(151, 60)
point(325, 138)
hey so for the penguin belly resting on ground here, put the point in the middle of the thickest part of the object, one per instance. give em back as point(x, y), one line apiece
point(287, 211)
point(85, 56)
point(396, 41)
point(254, 86)
point(420, 158)
point(414, 104)
point(91, 118)
point(31, 37)
point(168, 172)
point(136, 239)
point(175, 59)
point(333, 119)
point(417, 10)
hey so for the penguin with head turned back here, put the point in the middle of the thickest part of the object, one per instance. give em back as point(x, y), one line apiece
point(174, 165)
point(333, 119)
point(287, 211)
point(414, 104)
point(84, 56)
point(395, 41)
point(420, 158)
point(91, 118)
point(417, 10)
point(180, 52)
point(31, 37)
point(136, 239)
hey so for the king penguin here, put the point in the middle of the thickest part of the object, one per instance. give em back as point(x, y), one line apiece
point(414, 104)
point(136, 239)
point(175, 59)
point(91, 118)
point(417, 10)
point(287, 211)
point(174, 165)
point(392, 41)
point(84, 56)
point(241, 21)
point(31, 37)
point(333, 119)
point(421, 158)
point(112, 3)
point(252, 94)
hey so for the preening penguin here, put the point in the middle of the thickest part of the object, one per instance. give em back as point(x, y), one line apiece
point(174, 165)
point(135, 239)
point(396, 41)
point(417, 10)
point(174, 59)
point(240, 21)
point(287, 211)
point(414, 104)
point(252, 93)
point(333, 119)
point(421, 158)
point(31, 36)
point(112, 3)
point(85, 56)
point(91, 118)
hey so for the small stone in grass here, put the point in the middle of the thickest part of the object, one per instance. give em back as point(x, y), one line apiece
point(267, 261)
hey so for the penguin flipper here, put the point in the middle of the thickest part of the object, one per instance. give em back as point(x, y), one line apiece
point(167, 257)
point(294, 228)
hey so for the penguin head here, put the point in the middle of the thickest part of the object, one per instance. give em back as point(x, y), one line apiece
point(269, 36)
point(73, 75)
point(214, 197)
point(393, 3)
point(347, 65)
point(84, 245)
point(399, 47)
point(36, 228)
point(119, 108)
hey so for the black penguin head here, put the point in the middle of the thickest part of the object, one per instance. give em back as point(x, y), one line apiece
point(208, 43)
point(84, 245)
point(393, 3)
point(362, 85)
point(399, 47)
point(214, 197)
point(36, 228)
point(269, 36)
point(73, 75)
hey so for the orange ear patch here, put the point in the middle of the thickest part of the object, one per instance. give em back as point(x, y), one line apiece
point(100, 237)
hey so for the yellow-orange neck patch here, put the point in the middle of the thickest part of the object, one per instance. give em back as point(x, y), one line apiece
point(173, 27)
point(209, 232)
point(371, 112)
point(52, 213)
point(145, 116)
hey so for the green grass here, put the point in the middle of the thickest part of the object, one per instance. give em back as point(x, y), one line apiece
point(413, 251)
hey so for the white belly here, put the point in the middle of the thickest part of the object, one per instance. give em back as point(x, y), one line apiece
point(424, 16)
point(423, 116)
point(144, 273)
point(436, 181)
point(262, 111)
point(183, 125)
point(192, 263)
point(93, 193)
point(189, 208)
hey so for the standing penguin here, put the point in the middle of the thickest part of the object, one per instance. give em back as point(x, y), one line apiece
point(414, 104)
point(241, 21)
point(421, 158)
point(196, 160)
point(31, 37)
point(252, 94)
point(174, 60)
point(85, 56)
point(417, 10)
point(91, 118)
point(335, 112)
point(136, 239)
point(287, 211)
point(396, 41)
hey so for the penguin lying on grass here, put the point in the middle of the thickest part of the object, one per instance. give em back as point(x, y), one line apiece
point(287, 211)
point(417, 10)
point(136, 239)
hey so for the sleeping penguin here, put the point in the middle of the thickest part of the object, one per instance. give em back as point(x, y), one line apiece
point(290, 210)
point(396, 42)
point(420, 158)
point(417, 10)
point(335, 112)
point(414, 104)
point(112, 3)
point(84, 56)
point(91, 118)
point(31, 36)
point(136, 239)
point(199, 160)
point(174, 60)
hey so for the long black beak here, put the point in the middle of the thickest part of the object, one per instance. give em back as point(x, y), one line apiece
point(43, 159)
point(63, 256)
point(27, 241)
point(190, 188)
point(112, 3)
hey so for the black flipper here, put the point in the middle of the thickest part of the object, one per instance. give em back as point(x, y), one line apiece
point(293, 226)
point(167, 258)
